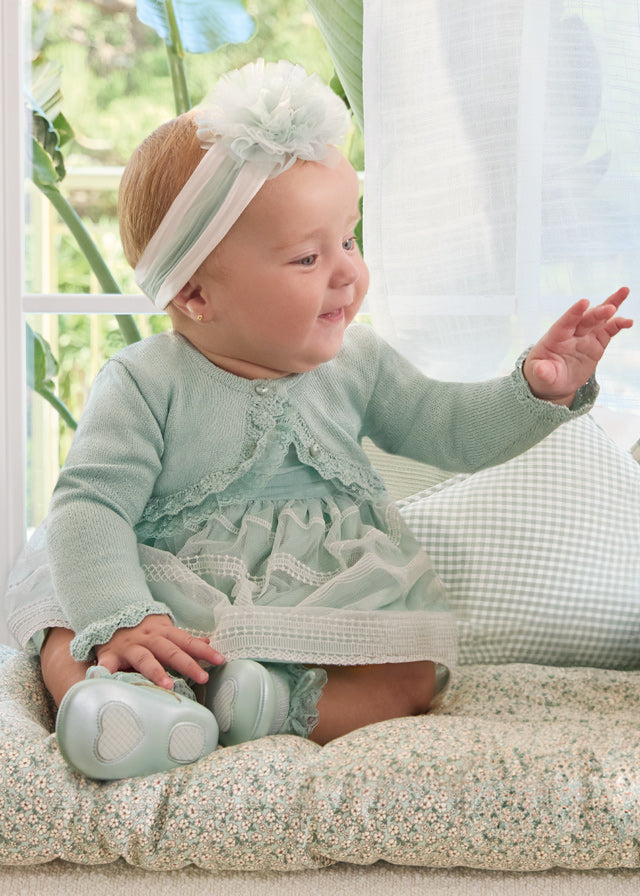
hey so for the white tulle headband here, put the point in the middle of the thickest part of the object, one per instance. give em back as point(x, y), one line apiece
point(255, 124)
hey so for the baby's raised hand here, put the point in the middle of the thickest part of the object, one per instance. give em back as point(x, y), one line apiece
point(156, 643)
point(568, 354)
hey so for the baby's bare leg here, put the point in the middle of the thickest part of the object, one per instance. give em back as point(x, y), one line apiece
point(59, 669)
point(355, 696)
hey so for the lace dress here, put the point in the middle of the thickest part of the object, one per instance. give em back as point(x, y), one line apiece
point(300, 572)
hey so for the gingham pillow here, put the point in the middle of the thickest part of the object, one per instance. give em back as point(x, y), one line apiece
point(541, 555)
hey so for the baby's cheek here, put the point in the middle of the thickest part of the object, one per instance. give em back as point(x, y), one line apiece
point(362, 285)
point(363, 281)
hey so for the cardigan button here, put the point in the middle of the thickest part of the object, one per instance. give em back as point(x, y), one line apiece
point(314, 449)
point(261, 389)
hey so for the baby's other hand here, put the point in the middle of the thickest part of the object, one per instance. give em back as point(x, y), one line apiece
point(568, 354)
point(156, 643)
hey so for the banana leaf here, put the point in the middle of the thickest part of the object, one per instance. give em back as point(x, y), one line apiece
point(340, 23)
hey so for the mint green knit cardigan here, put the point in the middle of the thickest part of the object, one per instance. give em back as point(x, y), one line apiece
point(167, 436)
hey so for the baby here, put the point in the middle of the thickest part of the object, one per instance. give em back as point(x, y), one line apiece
point(217, 519)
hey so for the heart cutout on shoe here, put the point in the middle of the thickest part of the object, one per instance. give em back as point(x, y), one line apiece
point(223, 704)
point(186, 742)
point(119, 730)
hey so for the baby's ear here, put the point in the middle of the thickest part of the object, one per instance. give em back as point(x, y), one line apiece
point(192, 303)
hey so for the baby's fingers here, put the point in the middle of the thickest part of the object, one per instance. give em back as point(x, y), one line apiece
point(182, 654)
point(600, 314)
point(618, 297)
point(201, 649)
point(603, 319)
point(594, 318)
point(569, 322)
point(195, 646)
point(616, 324)
point(580, 318)
point(138, 658)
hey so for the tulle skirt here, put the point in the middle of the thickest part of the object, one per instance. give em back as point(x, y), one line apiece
point(323, 580)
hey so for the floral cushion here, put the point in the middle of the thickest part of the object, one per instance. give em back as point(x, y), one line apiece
point(240, 808)
point(522, 768)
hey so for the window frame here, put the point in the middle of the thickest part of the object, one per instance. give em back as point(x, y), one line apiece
point(13, 400)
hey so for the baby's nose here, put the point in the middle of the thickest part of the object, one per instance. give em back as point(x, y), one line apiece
point(346, 273)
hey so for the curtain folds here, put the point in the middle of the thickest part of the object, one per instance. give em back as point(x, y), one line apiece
point(502, 176)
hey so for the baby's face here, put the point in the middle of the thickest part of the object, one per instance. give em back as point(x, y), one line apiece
point(289, 278)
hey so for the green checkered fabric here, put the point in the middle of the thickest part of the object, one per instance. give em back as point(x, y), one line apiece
point(541, 555)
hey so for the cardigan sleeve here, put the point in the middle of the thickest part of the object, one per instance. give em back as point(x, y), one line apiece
point(461, 427)
point(101, 493)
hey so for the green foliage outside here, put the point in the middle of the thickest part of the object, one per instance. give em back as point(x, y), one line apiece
point(116, 86)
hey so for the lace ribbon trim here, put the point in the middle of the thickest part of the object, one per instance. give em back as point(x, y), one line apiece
point(338, 638)
point(190, 509)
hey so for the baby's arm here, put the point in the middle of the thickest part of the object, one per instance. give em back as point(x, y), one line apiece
point(154, 644)
point(102, 491)
point(59, 669)
point(568, 354)
point(107, 480)
point(466, 427)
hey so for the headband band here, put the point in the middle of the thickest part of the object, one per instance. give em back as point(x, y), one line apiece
point(260, 120)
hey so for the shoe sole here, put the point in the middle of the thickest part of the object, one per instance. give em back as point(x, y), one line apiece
point(110, 730)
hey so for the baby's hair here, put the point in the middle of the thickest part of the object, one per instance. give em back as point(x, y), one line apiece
point(153, 177)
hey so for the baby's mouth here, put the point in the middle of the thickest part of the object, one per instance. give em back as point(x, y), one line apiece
point(334, 315)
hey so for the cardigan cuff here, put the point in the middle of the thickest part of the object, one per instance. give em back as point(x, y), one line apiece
point(82, 646)
point(583, 402)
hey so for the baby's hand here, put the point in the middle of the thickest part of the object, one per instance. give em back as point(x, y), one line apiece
point(565, 358)
point(153, 644)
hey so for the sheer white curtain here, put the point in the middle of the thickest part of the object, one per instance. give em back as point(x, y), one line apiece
point(502, 176)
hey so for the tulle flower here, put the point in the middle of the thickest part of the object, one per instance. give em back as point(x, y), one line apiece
point(271, 114)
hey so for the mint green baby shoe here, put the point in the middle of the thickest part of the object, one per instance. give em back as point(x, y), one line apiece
point(119, 727)
point(248, 700)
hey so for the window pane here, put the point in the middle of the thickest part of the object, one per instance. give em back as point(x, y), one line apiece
point(517, 192)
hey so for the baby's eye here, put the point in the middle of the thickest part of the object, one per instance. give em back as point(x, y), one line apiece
point(349, 244)
point(308, 261)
